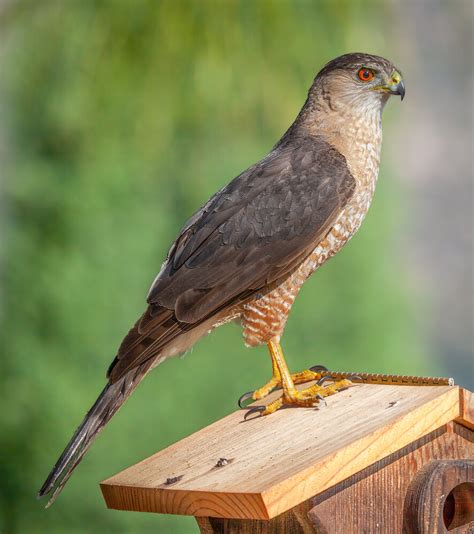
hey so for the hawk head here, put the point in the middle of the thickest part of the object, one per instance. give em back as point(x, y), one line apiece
point(358, 80)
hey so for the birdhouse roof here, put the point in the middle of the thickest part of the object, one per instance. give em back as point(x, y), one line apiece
point(259, 468)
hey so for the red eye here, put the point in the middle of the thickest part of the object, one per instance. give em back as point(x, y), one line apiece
point(365, 74)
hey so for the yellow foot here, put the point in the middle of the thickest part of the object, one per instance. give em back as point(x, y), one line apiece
point(308, 397)
point(275, 382)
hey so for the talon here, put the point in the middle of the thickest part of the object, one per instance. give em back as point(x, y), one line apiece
point(282, 379)
point(324, 379)
point(318, 368)
point(243, 398)
point(255, 409)
point(321, 398)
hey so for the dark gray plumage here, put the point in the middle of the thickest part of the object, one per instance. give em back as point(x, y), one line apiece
point(250, 235)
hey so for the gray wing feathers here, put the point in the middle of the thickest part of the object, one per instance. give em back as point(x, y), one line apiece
point(262, 222)
point(250, 235)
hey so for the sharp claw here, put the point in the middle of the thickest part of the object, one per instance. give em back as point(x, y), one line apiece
point(318, 368)
point(255, 409)
point(321, 398)
point(324, 379)
point(243, 398)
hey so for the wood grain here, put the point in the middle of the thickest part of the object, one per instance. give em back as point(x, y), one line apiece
point(372, 501)
point(279, 461)
point(290, 522)
point(430, 502)
point(466, 416)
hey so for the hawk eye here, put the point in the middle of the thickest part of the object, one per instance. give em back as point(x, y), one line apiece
point(365, 74)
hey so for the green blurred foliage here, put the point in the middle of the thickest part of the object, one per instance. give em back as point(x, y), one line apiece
point(121, 118)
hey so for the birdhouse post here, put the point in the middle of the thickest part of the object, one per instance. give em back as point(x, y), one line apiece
point(377, 459)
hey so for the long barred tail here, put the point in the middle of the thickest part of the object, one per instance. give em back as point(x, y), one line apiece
point(107, 404)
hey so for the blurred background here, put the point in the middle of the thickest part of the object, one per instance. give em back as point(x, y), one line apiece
point(118, 120)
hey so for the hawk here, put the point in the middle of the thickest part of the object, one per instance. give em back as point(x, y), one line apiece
point(246, 253)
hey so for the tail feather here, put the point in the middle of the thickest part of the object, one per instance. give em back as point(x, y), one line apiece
point(106, 405)
point(138, 353)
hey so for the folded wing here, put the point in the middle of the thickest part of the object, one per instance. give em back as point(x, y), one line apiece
point(250, 236)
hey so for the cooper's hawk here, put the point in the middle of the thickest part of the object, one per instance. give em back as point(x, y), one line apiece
point(246, 253)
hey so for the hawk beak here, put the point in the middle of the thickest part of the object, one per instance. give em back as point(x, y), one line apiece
point(397, 89)
point(396, 85)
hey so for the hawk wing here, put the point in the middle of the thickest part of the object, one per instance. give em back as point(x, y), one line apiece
point(249, 236)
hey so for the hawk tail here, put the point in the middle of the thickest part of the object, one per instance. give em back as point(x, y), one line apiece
point(106, 405)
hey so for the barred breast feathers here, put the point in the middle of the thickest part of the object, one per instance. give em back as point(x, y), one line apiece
point(356, 133)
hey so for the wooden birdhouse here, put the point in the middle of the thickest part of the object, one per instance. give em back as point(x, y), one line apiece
point(377, 459)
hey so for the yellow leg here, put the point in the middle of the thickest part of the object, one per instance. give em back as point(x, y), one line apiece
point(286, 380)
point(306, 397)
point(275, 381)
point(311, 395)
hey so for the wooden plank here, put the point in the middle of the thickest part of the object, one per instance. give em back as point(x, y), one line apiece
point(466, 417)
point(374, 500)
point(291, 522)
point(276, 462)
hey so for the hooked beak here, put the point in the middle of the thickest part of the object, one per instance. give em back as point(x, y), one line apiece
point(396, 85)
point(398, 89)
